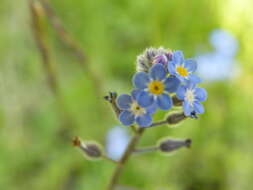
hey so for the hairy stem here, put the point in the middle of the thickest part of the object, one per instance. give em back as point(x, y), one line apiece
point(146, 150)
point(130, 148)
point(111, 98)
point(159, 123)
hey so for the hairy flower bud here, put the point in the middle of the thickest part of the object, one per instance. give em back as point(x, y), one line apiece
point(175, 118)
point(169, 145)
point(152, 56)
point(91, 150)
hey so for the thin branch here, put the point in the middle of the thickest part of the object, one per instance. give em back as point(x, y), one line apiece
point(40, 37)
point(172, 119)
point(130, 148)
point(159, 123)
point(134, 129)
point(62, 33)
point(146, 150)
point(69, 42)
point(111, 98)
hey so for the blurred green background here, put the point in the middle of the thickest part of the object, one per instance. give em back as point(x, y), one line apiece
point(34, 152)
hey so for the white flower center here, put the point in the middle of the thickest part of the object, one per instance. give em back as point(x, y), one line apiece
point(136, 109)
point(189, 96)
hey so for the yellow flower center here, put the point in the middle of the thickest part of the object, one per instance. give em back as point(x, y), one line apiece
point(156, 87)
point(182, 71)
point(136, 109)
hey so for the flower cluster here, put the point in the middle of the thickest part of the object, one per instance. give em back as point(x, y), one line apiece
point(164, 79)
point(160, 75)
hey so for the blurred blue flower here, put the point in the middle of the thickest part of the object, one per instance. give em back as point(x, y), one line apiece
point(183, 69)
point(116, 142)
point(219, 64)
point(132, 112)
point(154, 87)
point(191, 97)
point(224, 43)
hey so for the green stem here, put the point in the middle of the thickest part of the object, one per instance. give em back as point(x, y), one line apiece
point(130, 148)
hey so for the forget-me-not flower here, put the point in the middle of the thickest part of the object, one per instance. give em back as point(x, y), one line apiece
point(132, 112)
point(182, 68)
point(192, 98)
point(154, 87)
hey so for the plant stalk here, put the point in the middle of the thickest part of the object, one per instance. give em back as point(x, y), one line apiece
point(130, 149)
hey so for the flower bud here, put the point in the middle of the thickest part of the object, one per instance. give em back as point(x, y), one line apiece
point(152, 56)
point(175, 118)
point(91, 150)
point(169, 145)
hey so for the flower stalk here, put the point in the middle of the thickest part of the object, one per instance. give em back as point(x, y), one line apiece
point(125, 157)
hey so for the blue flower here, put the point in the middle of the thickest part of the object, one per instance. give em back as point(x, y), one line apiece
point(192, 96)
point(132, 112)
point(183, 69)
point(154, 87)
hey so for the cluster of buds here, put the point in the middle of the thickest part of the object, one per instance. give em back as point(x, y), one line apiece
point(152, 56)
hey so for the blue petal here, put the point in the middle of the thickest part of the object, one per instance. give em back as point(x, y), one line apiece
point(171, 84)
point(152, 109)
point(190, 85)
point(164, 102)
point(171, 68)
point(200, 94)
point(140, 80)
point(126, 118)
point(190, 65)
point(145, 99)
point(124, 101)
point(158, 72)
point(194, 79)
point(144, 120)
point(187, 108)
point(178, 57)
point(135, 93)
point(181, 92)
point(198, 108)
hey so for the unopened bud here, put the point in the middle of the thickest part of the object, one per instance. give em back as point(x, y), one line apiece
point(91, 150)
point(175, 118)
point(170, 145)
point(151, 56)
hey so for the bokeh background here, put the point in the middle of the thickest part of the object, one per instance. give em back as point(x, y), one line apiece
point(37, 121)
